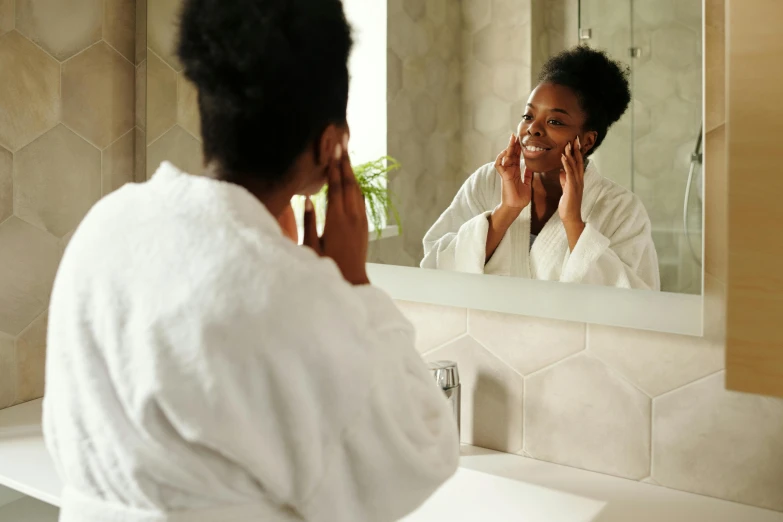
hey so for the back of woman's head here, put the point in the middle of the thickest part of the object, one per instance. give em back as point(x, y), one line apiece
point(271, 76)
point(600, 84)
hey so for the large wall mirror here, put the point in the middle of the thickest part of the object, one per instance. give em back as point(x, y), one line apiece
point(459, 86)
point(440, 89)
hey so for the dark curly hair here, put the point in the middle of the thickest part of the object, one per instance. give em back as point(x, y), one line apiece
point(271, 76)
point(600, 84)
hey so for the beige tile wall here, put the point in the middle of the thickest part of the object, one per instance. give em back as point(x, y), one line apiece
point(649, 148)
point(172, 126)
point(66, 139)
point(639, 405)
point(424, 85)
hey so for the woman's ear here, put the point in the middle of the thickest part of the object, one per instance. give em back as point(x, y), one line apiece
point(588, 140)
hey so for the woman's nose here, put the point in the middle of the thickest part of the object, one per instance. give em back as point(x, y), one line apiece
point(535, 129)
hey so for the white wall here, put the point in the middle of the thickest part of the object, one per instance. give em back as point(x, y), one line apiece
point(367, 66)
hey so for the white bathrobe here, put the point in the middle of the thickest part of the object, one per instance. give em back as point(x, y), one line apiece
point(203, 368)
point(615, 249)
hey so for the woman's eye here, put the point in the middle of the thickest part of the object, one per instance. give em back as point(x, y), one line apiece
point(554, 122)
point(527, 117)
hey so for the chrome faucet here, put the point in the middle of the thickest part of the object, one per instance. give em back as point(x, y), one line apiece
point(447, 378)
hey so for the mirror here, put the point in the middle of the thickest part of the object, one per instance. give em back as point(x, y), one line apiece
point(459, 78)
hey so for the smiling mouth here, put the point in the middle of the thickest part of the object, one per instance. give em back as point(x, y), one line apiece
point(532, 148)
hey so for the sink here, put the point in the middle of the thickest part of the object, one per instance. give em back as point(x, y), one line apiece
point(475, 496)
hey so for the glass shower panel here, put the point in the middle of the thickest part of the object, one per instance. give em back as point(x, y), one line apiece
point(654, 149)
point(606, 25)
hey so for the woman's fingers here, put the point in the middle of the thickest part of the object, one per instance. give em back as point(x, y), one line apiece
point(580, 159)
point(311, 238)
point(334, 197)
point(568, 166)
point(352, 194)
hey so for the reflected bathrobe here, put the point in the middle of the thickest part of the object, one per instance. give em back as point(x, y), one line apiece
point(615, 249)
point(203, 368)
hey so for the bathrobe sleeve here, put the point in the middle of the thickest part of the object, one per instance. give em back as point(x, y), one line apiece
point(341, 420)
point(619, 252)
point(458, 239)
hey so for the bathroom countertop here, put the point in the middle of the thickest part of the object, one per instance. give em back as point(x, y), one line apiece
point(25, 466)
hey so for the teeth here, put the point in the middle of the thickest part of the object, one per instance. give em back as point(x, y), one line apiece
point(534, 149)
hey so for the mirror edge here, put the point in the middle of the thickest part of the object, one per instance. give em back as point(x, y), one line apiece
point(653, 311)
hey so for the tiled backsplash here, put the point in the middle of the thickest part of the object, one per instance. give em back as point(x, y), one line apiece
point(640, 405)
point(66, 138)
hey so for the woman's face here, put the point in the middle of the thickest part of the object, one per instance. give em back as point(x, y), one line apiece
point(552, 119)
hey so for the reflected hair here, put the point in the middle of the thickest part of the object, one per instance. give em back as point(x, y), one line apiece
point(600, 84)
point(271, 76)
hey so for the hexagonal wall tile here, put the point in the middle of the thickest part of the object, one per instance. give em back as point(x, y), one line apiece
point(676, 47)
point(187, 106)
point(491, 115)
point(477, 80)
point(511, 81)
point(162, 22)
point(435, 325)
point(414, 75)
point(492, 396)
point(648, 159)
point(681, 119)
point(28, 262)
point(161, 98)
point(29, 92)
point(476, 14)
point(447, 43)
point(689, 13)
point(511, 13)
point(414, 8)
point(712, 441)
point(178, 147)
point(7, 16)
point(654, 82)
point(393, 74)
point(689, 85)
point(57, 178)
point(477, 151)
point(491, 46)
point(8, 371)
point(654, 362)
point(62, 28)
point(31, 360)
point(98, 95)
point(424, 113)
point(6, 184)
point(119, 27)
point(117, 164)
point(436, 11)
point(437, 75)
point(654, 13)
point(580, 414)
point(524, 343)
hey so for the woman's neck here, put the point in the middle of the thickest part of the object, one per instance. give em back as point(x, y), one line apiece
point(274, 199)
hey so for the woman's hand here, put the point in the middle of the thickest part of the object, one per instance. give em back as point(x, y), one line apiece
point(287, 222)
point(346, 234)
point(572, 179)
point(516, 188)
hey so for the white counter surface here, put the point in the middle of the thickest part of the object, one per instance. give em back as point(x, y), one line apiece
point(25, 466)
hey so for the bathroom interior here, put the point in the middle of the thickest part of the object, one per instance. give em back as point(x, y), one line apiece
point(598, 403)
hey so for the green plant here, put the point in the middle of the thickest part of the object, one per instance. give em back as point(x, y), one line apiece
point(372, 177)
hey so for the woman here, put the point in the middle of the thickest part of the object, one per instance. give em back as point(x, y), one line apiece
point(542, 210)
point(203, 367)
